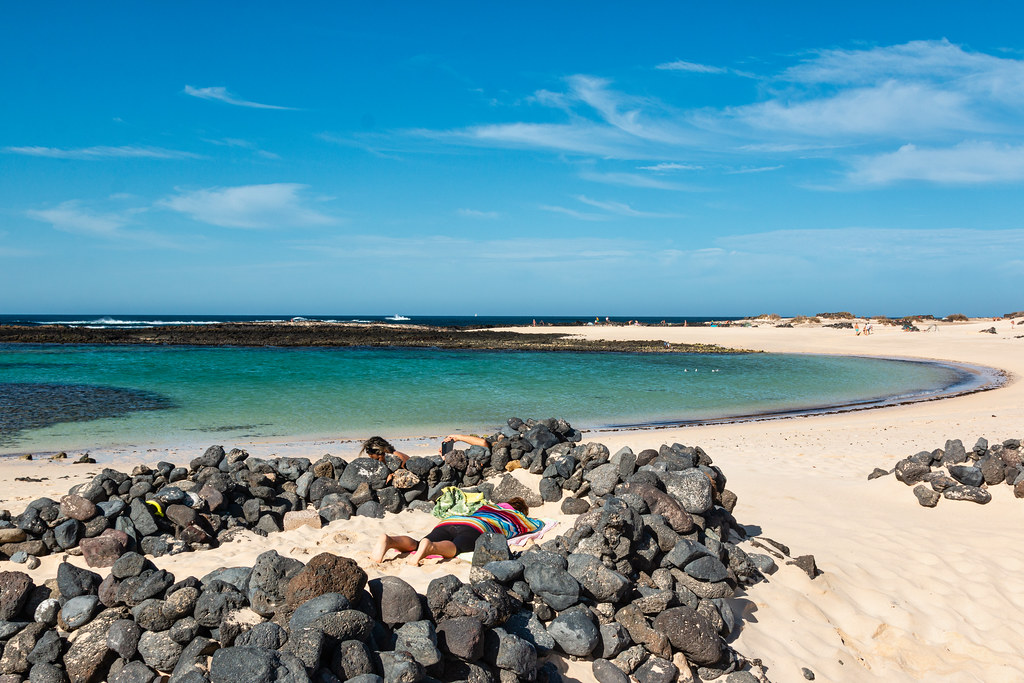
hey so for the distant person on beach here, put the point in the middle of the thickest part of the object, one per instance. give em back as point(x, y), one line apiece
point(856, 328)
point(377, 447)
point(457, 534)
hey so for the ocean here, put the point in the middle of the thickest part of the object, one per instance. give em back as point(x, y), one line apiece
point(125, 321)
point(55, 397)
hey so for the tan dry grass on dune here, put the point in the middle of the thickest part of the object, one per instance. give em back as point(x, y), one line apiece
point(907, 593)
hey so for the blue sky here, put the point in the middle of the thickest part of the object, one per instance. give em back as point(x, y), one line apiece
point(459, 158)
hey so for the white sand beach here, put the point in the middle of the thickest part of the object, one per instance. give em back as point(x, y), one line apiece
point(907, 593)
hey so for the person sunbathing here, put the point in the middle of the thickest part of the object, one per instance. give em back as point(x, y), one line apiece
point(457, 534)
point(377, 447)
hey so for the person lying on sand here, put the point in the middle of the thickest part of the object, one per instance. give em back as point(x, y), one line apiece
point(457, 534)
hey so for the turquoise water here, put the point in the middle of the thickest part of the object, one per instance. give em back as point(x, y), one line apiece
point(230, 395)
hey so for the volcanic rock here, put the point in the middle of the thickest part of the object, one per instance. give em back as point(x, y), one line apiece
point(325, 573)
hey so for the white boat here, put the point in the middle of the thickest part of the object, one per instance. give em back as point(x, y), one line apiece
point(396, 318)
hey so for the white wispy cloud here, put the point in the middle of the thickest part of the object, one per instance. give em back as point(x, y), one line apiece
point(756, 169)
point(102, 152)
point(238, 143)
point(622, 209)
point(966, 163)
point(693, 67)
point(845, 105)
point(221, 94)
point(636, 180)
point(670, 166)
point(119, 228)
point(888, 249)
point(578, 137)
point(883, 111)
point(435, 249)
point(573, 213)
point(72, 216)
point(274, 205)
point(475, 213)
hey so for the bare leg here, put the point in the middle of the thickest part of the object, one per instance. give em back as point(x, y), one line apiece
point(445, 549)
point(403, 544)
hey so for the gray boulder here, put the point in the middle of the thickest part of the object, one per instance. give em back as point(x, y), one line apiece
point(419, 639)
point(158, 650)
point(235, 664)
point(691, 488)
point(600, 582)
point(399, 602)
point(311, 610)
point(691, 633)
point(364, 470)
point(555, 586)
point(575, 633)
point(966, 475)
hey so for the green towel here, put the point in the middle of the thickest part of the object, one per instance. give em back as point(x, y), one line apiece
point(455, 501)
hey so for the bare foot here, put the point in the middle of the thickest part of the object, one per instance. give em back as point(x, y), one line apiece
point(380, 549)
point(421, 552)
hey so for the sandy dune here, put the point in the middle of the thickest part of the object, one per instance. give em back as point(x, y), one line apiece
point(907, 594)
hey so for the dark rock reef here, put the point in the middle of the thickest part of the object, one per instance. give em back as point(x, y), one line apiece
point(338, 334)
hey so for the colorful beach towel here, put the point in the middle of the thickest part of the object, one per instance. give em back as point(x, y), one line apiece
point(497, 519)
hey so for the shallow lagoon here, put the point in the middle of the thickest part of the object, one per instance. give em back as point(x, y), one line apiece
point(206, 394)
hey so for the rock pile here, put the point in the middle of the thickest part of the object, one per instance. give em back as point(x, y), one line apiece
point(640, 584)
point(955, 473)
point(169, 509)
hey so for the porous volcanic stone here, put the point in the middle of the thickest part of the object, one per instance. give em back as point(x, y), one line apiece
point(575, 633)
point(78, 611)
point(601, 583)
point(462, 637)
point(691, 488)
point(554, 585)
point(77, 507)
point(14, 591)
point(606, 672)
point(325, 573)
point(352, 659)
point(574, 506)
point(656, 670)
point(490, 547)
point(419, 639)
point(966, 475)
point(926, 496)
point(364, 470)
point(314, 608)
point(88, 656)
point(123, 638)
point(101, 551)
point(399, 602)
point(235, 664)
point(970, 493)
point(691, 633)
point(911, 472)
point(158, 650)
point(509, 487)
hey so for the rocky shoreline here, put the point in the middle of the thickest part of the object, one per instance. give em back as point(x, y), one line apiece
point(340, 335)
point(640, 585)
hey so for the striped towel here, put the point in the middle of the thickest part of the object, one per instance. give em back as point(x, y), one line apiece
point(496, 519)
